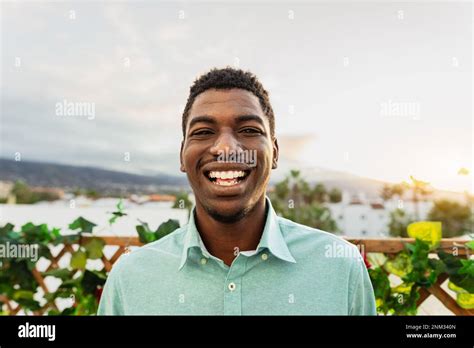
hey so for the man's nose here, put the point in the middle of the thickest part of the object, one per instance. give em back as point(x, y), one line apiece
point(224, 143)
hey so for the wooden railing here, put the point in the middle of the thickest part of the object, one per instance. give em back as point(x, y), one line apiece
point(386, 245)
point(393, 246)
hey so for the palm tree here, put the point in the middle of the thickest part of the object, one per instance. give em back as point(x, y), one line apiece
point(469, 199)
point(320, 193)
point(386, 192)
point(308, 208)
point(454, 216)
point(399, 189)
point(420, 190)
point(335, 195)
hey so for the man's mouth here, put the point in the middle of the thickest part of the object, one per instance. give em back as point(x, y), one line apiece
point(228, 177)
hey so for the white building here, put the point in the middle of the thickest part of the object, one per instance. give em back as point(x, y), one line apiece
point(359, 217)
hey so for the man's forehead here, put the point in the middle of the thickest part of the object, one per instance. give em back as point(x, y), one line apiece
point(236, 101)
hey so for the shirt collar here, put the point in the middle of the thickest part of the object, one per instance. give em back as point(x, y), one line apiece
point(272, 238)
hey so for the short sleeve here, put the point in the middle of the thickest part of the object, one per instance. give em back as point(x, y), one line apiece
point(111, 301)
point(361, 299)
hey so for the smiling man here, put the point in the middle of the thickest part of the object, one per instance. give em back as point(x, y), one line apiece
point(236, 256)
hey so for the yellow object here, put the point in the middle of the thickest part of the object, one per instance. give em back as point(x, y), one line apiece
point(403, 288)
point(465, 300)
point(400, 265)
point(378, 302)
point(455, 288)
point(427, 231)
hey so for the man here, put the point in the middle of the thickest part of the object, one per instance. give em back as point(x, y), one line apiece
point(236, 256)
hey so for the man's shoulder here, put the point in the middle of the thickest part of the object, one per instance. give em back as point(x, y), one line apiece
point(291, 229)
point(304, 239)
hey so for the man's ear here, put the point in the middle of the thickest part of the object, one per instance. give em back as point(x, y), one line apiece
point(275, 154)
point(181, 167)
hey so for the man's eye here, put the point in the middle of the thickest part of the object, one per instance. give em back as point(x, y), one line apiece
point(202, 132)
point(251, 131)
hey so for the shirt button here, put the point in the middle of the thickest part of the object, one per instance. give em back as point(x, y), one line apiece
point(231, 286)
point(264, 256)
point(203, 261)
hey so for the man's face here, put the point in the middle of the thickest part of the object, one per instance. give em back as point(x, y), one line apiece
point(228, 152)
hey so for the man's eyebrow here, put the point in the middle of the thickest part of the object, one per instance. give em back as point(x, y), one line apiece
point(212, 120)
point(203, 119)
point(245, 118)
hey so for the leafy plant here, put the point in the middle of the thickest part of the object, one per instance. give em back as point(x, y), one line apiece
point(417, 270)
point(82, 286)
point(118, 213)
point(146, 235)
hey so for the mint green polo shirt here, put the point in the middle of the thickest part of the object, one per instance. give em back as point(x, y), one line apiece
point(295, 270)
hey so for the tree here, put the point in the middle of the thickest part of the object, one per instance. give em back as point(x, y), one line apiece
point(295, 199)
point(22, 192)
point(320, 194)
point(389, 191)
point(399, 189)
point(420, 190)
point(399, 220)
point(386, 192)
point(26, 195)
point(335, 195)
point(455, 217)
point(314, 215)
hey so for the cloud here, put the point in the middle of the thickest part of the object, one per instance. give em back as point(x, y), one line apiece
point(135, 61)
point(294, 147)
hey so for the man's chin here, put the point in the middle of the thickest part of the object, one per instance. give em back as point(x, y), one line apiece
point(227, 216)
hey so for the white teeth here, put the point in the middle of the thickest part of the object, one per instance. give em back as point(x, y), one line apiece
point(227, 174)
point(225, 183)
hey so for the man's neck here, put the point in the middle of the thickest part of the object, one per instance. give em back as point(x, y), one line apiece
point(223, 240)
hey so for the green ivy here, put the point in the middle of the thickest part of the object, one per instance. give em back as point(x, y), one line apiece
point(82, 286)
point(417, 271)
point(146, 235)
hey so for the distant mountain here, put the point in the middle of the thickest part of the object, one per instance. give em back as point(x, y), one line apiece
point(344, 181)
point(113, 182)
point(354, 184)
point(70, 177)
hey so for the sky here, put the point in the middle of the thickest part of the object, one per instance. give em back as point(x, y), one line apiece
point(380, 90)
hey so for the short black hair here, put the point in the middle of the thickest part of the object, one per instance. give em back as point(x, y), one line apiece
point(229, 78)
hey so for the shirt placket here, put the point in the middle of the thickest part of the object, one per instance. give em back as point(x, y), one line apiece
point(233, 287)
